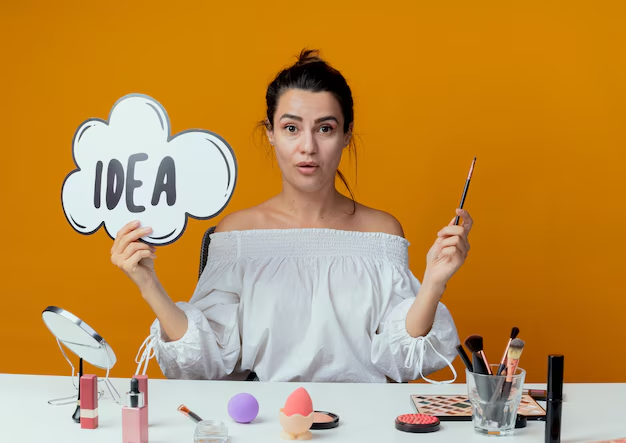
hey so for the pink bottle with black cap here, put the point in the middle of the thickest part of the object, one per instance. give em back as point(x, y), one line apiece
point(134, 416)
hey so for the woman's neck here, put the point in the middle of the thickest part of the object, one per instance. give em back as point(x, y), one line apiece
point(311, 207)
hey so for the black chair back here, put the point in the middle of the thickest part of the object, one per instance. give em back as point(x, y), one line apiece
point(204, 249)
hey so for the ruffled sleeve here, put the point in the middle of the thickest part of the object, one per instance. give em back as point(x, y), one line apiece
point(402, 357)
point(211, 346)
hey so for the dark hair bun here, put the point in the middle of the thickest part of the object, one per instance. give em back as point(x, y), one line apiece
point(308, 56)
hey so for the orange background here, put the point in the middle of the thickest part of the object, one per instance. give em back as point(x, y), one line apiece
point(537, 92)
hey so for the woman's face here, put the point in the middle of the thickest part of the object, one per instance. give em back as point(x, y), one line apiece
point(308, 138)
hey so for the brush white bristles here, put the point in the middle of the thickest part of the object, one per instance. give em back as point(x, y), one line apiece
point(515, 349)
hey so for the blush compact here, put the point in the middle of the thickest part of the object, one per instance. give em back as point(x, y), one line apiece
point(417, 423)
point(324, 420)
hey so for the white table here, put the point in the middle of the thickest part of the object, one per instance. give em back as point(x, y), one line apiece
point(367, 412)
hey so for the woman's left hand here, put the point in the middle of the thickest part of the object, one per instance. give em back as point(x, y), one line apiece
point(449, 252)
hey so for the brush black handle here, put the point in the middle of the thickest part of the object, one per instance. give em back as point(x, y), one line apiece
point(479, 364)
point(484, 385)
point(501, 368)
point(457, 218)
point(467, 183)
point(195, 417)
point(503, 397)
point(465, 358)
point(506, 390)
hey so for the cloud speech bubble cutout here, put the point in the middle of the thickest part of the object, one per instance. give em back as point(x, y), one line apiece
point(129, 168)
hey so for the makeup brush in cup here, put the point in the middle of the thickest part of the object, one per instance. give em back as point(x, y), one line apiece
point(502, 366)
point(515, 352)
point(465, 358)
point(475, 344)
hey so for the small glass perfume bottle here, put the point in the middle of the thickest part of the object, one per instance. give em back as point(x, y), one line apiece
point(134, 416)
point(210, 431)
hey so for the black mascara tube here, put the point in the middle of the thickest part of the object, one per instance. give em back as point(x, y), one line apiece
point(554, 402)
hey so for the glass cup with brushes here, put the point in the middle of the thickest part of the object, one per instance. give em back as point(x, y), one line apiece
point(495, 391)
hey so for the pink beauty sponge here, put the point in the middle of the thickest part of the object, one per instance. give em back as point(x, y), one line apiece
point(299, 402)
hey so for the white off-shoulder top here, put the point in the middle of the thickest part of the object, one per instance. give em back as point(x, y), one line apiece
point(305, 305)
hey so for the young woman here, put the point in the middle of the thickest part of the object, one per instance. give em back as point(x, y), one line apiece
point(309, 285)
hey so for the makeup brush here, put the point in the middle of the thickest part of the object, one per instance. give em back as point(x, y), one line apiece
point(502, 366)
point(515, 352)
point(467, 183)
point(465, 358)
point(475, 344)
point(190, 414)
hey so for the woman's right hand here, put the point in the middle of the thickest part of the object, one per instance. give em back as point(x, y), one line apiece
point(133, 257)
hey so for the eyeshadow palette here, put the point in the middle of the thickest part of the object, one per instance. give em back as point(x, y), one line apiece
point(459, 408)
